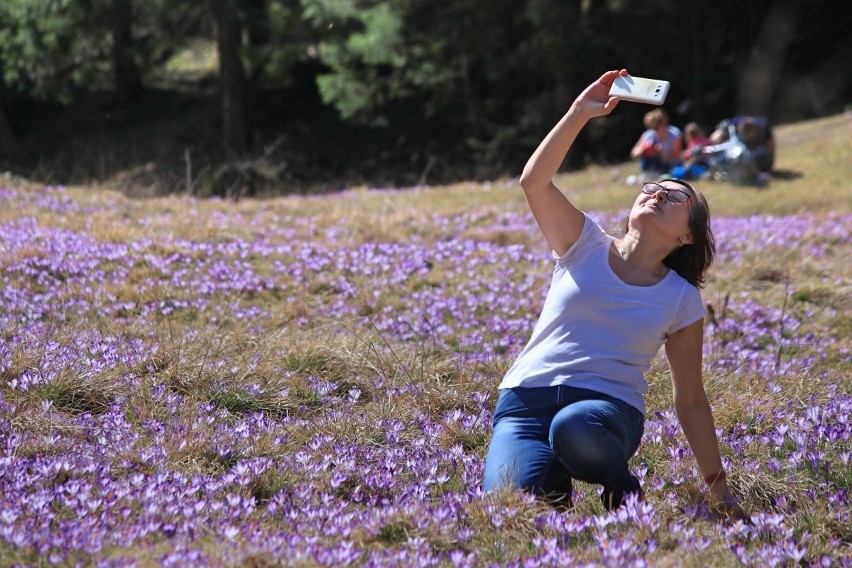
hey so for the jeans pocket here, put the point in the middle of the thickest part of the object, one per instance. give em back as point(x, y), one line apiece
point(525, 402)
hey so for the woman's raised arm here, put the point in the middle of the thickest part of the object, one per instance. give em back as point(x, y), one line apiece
point(557, 217)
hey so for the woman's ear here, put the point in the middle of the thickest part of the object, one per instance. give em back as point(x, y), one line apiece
point(686, 239)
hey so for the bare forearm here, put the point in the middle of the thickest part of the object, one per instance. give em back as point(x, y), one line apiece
point(560, 221)
point(548, 157)
point(696, 419)
point(683, 349)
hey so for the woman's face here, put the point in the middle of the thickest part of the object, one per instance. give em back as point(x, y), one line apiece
point(654, 210)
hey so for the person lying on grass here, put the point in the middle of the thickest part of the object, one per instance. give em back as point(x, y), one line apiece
point(571, 406)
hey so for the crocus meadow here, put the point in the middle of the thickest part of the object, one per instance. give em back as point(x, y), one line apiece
point(194, 383)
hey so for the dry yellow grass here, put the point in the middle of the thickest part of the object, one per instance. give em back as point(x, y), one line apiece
point(271, 367)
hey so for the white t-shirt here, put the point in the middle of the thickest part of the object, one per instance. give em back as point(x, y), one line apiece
point(595, 331)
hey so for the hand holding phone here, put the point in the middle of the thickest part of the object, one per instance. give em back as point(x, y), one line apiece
point(640, 89)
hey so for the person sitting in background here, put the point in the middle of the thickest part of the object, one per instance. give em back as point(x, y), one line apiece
point(695, 163)
point(743, 150)
point(659, 147)
point(755, 132)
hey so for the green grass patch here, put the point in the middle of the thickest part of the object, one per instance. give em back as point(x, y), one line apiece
point(75, 396)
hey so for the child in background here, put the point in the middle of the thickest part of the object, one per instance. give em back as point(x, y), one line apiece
point(694, 162)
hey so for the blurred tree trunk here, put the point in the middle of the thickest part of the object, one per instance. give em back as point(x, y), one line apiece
point(576, 23)
point(128, 83)
point(8, 143)
point(759, 79)
point(258, 35)
point(257, 22)
point(697, 48)
point(232, 77)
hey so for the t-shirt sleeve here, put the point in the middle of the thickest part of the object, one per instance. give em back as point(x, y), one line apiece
point(648, 136)
point(590, 233)
point(690, 309)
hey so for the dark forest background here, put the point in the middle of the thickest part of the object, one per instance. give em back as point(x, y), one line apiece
point(242, 97)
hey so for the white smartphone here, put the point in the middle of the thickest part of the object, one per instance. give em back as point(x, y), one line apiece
point(640, 90)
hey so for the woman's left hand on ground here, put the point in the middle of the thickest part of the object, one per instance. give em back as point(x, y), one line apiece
point(729, 506)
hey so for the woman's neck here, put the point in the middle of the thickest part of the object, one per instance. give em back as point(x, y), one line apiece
point(640, 258)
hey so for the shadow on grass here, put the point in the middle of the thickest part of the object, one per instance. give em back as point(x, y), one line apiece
point(786, 174)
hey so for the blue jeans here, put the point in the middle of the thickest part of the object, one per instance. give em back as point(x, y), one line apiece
point(544, 437)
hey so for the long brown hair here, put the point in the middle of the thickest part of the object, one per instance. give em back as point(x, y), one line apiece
point(692, 261)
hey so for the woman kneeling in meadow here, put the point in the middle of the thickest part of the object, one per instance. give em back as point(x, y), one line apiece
point(571, 406)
